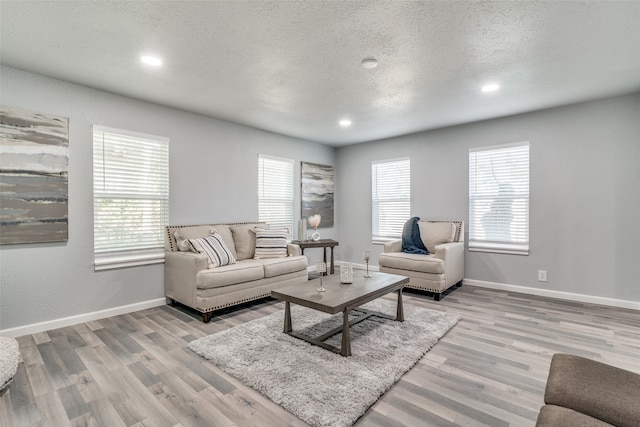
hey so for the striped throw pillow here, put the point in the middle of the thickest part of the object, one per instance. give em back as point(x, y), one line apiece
point(270, 243)
point(214, 248)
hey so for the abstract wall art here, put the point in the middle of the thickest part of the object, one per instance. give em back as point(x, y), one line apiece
point(34, 160)
point(317, 183)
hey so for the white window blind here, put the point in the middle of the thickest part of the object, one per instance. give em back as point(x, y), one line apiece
point(499, 198)
point(275, 192)
point(390, 198)
point(130, 197)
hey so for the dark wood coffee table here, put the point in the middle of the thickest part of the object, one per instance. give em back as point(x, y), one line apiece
point(340, 298)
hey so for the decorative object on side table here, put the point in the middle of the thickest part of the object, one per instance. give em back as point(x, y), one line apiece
point(367, 257)
point(346, 273)
point(321, 268)
point(302, 230)
point(314, 222)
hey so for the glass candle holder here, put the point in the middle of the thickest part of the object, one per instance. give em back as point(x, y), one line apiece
point(321, 268)
point(367, 257)
point(346, 273)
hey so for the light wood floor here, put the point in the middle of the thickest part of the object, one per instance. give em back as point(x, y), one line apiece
point(135, 369)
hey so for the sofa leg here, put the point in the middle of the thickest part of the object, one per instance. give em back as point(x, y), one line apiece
point(459, 284)
point(171, 302)
point(437, 296)
point(206, 317)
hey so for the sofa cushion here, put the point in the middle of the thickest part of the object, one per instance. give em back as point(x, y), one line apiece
point(244, 239)
point(553, 416)
point(434, 233)
point(214, 248)
point(278, 266)
point(412, 262)
point(271, 243)
point(183, 235)
point(243, 271)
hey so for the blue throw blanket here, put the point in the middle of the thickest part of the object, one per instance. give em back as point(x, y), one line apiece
point(411, 242)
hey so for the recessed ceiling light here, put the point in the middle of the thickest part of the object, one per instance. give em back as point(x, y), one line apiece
point(490, 87)
point(151, 60)
point(369, 63)
point(345, 122)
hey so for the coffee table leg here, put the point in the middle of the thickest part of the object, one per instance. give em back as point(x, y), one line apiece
point(287, 317)
point(346, 340)
point(400, 309)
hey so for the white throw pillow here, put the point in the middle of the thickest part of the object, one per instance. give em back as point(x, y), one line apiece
point(433, 234)
point(270, 243)
point(216, 250)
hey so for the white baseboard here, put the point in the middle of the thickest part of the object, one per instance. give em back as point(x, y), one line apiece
point(568, 296)
point(80, 318)
point(115, 311)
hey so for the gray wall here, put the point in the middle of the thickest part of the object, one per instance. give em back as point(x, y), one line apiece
point(213, 179)
point(585, 194)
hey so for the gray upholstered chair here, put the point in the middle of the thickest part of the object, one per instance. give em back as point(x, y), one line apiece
point(586, 393)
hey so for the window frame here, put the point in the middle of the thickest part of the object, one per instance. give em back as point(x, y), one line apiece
point(378, 237)
point(152, 251)
point(518, 204)
point(288, 200)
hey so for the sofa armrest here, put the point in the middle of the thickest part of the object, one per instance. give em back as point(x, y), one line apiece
point(180, 270)
point(393, 246)
point(593, 388)
point(453, 256)
point(293, 249)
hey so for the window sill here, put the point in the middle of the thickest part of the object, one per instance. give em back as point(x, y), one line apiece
point(130, 259)
point(498, 248)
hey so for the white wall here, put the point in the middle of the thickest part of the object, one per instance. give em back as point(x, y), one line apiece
point(585, 195)
point(213, 179)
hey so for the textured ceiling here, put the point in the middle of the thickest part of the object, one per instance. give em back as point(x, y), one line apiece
point(293, 67)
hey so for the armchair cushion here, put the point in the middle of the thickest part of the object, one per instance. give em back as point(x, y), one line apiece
point(434, 233)
point(412, 262)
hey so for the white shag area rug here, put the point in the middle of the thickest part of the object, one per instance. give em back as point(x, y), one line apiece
point(318, 386)
point(9, 360)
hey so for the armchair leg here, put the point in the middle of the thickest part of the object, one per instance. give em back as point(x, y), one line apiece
point(437, 296)
point(459, 284)
point(206, 317)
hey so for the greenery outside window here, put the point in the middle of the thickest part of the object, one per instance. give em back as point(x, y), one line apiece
point(130, 197)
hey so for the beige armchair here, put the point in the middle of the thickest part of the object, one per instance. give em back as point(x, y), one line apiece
point(436, 272)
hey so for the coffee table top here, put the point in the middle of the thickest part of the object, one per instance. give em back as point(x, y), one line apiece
point(339, 296)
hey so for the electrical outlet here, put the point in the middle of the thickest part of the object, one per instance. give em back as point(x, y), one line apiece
point(542, 275)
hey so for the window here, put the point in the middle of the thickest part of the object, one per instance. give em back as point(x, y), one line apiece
point(275, 192)
point(499, 199)
point(130, 198)
point(390, 198)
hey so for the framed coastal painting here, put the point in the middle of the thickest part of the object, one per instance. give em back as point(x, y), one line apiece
point(317, 182)
point(34, 160)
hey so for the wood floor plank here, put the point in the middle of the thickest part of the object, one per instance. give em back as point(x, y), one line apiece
point(136, 370)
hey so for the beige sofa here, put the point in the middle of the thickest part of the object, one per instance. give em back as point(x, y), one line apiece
point(436, 272)
point(582, 392)
point(189, 280)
